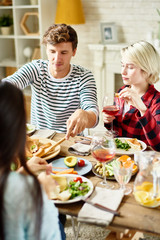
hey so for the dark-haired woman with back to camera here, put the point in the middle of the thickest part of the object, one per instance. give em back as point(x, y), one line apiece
point(25, 211)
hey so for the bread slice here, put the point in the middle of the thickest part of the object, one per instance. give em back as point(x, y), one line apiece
point(60, 192)
point(134, 143)
point(32, 145)
point(54, 193)
point(35, 148)
point(116, 95)
point(64, 196)
point(62, 182)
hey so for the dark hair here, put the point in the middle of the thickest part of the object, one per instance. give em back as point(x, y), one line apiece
point(58, 33)
point(12, 147)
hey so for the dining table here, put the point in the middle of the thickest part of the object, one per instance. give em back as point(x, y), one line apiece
point(133, 217)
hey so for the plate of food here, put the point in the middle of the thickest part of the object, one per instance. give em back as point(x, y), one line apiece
point(82, 166)
point(97, 169)
point(30, 128)
point(70, 188)
point(41, 147)
point(129, 146)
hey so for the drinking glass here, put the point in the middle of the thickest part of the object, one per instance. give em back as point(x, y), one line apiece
point(111, 106)
point(123, 173)
point(103, 150)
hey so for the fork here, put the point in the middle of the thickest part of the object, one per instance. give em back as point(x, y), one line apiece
point(52, 135)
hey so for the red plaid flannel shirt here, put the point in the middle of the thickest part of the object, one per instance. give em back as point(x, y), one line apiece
point(145, 128)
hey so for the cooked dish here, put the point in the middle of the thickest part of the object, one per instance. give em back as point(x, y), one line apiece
point(98, 168)
point(36, 147)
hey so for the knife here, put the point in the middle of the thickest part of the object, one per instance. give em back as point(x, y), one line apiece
point(87, 142)
point(101, 207)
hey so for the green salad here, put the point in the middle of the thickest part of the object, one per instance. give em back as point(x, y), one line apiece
point(122, 145)
point(77, 188)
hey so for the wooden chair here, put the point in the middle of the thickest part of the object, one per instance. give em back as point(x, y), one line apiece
point(124, 235)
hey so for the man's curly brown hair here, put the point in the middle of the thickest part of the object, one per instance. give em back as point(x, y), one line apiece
point(58, 33)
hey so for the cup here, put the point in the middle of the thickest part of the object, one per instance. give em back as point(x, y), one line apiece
point(123, 173)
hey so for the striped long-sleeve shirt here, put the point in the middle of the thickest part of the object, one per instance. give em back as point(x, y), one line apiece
point(54, 100)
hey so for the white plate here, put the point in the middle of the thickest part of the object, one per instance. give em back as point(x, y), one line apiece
point(131, 150)
point(30, 128)
point(79, 198)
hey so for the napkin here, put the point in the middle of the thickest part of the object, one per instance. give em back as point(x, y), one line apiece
point(80, 149)
point(44, 133)
point(106, 197)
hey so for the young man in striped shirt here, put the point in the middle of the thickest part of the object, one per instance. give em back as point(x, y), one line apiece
point(64, 95)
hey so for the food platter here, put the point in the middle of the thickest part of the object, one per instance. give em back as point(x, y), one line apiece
point(130, 151)
point(109, 177)
point(53, 153)
point(80, 170)
point(79, 198)
point(99, 175)
point(30, 128)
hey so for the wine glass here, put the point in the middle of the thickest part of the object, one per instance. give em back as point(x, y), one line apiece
point(103, 150)
point(111, 106)
point(123, 172)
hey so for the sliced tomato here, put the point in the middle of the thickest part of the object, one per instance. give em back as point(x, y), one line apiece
point(78, 179)
point(81, 163)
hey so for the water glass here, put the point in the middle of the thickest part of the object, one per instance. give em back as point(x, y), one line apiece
point(123, 175)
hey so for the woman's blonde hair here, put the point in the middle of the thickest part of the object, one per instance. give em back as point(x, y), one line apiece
point(145, 56)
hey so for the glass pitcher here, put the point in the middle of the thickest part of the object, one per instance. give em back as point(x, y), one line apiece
point(147, 183)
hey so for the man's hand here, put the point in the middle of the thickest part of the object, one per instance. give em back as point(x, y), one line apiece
point(78, 121)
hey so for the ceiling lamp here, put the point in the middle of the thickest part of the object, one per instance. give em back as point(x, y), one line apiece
point(69, 12)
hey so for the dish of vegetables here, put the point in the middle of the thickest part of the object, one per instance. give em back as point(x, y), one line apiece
point(98, 168)
point(80, 188)
point(129, 146)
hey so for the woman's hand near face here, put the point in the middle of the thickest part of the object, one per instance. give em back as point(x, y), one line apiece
point(132, 98)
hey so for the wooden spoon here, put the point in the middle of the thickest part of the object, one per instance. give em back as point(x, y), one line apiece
point(59, 142)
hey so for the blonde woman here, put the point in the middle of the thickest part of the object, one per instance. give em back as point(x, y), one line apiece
point(139, 116)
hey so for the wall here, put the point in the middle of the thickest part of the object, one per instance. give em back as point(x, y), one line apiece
point(134, 18)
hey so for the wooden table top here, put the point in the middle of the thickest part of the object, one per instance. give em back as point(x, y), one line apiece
point(132, 215)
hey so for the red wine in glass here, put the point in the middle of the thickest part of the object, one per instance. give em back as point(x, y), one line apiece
point(103, 155)
point(111, 106)
point(103, 150)
point(111, 110)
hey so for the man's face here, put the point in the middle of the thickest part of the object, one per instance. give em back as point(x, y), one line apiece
point(59, 56)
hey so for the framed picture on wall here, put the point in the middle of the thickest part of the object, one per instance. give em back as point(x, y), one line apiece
point(108, 33)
